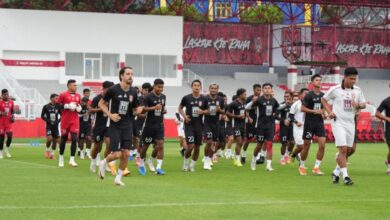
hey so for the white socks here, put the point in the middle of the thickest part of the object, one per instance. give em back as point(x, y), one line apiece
point(344, 172)
point(317, 164)
point(159, 163)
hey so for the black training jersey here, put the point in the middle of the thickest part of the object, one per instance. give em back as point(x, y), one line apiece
point(385, 106)
point(140, 120)
point(122, 102)
point(192, 106)
point(155, 118)
point(51, 113)
point(213, 116)
point(84, 117)
point(237, 108)
point(252, 111)
point(313, 101)
point(100, 117)
point(267, 110)
point(284, 110)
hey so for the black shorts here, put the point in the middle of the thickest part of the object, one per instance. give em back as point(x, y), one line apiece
point(150, 135)
point(193, 134)
point(239, 131)
point(211, 132)
point(52, 130)
point(222, 134)
point(311, 129)
point(229, 130)
point(265, 132)
point(120, 138)
point(99, 133)
point(250, 131)
point(137, 128)
point(85, 132)
point(387, 135)
point(286, 133)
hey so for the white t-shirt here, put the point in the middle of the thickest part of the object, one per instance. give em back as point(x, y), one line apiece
point(297, 112)
point(342, 102)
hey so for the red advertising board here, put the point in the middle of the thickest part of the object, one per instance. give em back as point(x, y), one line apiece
point(364, 48)
point(213, 43)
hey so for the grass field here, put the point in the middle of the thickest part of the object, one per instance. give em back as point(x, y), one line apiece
point(32, 187)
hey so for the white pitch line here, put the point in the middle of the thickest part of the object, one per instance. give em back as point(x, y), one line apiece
point(277, 202)
point(28, 163)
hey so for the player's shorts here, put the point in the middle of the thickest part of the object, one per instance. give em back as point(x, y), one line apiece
point(229, 130)
point(120, 138)
point(137, 127)
point(85, 132)
point(250, 131)
point(222, 134)
point(298, 134)
point(286, 133)
point(193, 134)
point(52, 130)
point(310, 129)
point(150, 135)
point(344, 134)
point(180, 130)
point(72, 127)
point(99, 133)
point(239, 131)
point(265, 132)
point(211, 132)
point(6, 128)
point(387, 135)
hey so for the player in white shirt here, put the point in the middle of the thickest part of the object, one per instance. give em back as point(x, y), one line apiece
point(297, 117)
point(346, 99)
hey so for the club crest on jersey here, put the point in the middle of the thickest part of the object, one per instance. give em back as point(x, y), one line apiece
point(131, 98)
point(217, 103)
point(163, 101)
point(200, 103)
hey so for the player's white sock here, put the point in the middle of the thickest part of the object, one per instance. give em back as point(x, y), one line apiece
point(193, 162)
point(159, 163)
point(150, 160)
point(388, 165)
point(138, 154)
point(243, 153)
point(238, 157)
point(302, 163)
point(71, 159)
point(344, 172)
point(337, 171)
point(185, 163)
point(47, 148)
point(93, 162)
point(142, 162)
point(286, 153)
point(262, 153)
point(118, 177)
point(317, 164)
point(88, 151)
point(269, 163)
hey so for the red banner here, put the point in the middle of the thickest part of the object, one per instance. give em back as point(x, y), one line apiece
point(364, 48)
point(34, 63)
point(214, 43)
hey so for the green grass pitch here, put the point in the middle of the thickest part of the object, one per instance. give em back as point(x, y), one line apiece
point(32, 187)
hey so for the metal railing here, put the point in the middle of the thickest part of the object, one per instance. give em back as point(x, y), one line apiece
point(189, 76)
point(28, 101)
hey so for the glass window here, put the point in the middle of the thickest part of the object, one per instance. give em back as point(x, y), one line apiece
point(223, 10)
point(151, 66)
point(135, 62)
point(110, 64)
point(74, 64)
point(168, 69)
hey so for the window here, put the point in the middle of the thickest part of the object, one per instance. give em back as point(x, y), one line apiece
point(168, 69)
point(135, 62)
point(223, 10)
point(74, 64)
point(151, 66)
point(110, 64)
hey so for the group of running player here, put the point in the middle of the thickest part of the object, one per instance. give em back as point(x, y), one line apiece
point(129, 120)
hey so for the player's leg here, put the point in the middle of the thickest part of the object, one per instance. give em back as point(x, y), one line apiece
point(88, 143)
point(124, 155)
point(238, 137)
point(320, 155)
point(81, 141)
point(190, 139)
point(114, 151)
point(64, 138)
point(55, 142)
point(73, 149)
point(208, 152)
point(307, 137)
point(388, 160)
point(197, 143)
point(1, 142)
point(344, 138)
point(269, 137)
point(257, 149)
point(160, 156)
point(49, 141)
point(284, 142)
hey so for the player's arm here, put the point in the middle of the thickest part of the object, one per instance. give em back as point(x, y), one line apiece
point(94, 107)
point(204, 109)
point(379, 111)
point(148, 107)
point(103, 105)
point(361, 102)
point(43, 114)
point(252, 103)
point(327, 108)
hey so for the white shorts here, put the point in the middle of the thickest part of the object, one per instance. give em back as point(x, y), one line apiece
point(298, 135)
point(344, 134)
point(180, 130)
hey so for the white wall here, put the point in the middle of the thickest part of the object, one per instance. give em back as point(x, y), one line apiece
point(60, 32)
point(32, 73)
